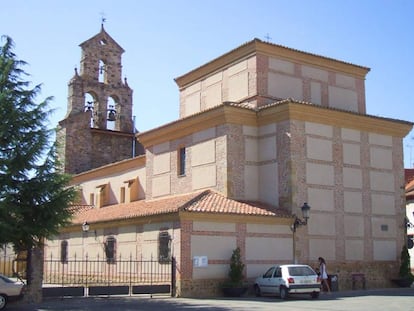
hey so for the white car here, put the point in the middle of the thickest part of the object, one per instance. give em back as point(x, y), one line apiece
point(9, 291)
point(284, 280)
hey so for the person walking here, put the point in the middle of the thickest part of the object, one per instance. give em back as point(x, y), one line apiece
point(323, 275)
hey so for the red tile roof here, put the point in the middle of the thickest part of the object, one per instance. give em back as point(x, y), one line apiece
point(409, 190)
point(201, 202)
point(409, 175)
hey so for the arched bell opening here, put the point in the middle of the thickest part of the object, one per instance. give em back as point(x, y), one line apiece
point(111, 115)
point(91, 105)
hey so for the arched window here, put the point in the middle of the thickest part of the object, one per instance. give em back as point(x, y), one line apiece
point(164, 247)
point(110, 249)
point(64, 251)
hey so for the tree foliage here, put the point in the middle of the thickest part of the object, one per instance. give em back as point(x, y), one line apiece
point(34, 193)
point(405, 269)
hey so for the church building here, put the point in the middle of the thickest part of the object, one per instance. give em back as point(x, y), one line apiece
point(262, 130)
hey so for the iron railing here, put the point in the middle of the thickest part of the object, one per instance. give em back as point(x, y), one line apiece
point(136, 275)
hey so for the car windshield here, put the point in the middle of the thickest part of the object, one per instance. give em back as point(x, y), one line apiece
point(301, 271)
point(6, 280)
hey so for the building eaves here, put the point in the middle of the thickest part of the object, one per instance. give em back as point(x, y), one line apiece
point(206, 202)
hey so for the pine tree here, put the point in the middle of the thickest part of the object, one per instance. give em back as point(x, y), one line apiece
point(34, 194)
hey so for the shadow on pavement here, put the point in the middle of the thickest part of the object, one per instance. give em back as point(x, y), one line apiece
point(168, 304)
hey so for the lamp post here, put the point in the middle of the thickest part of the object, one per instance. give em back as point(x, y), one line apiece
point(297, 223)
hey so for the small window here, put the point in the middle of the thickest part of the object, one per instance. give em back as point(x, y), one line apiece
point(181, 162)
point(110, 250)
point(64, 251)
point(102, 72)
point(164, 247)
point(92, 199)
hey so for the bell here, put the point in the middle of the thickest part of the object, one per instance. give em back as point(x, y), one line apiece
point(112, 115)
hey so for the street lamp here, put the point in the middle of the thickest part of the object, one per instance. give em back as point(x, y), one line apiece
point(301, 222)
point(297, 223)
point(85, 227)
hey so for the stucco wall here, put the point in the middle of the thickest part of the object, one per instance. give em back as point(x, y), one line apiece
point(233, 83)
point(137, 241)
point(205, 159)
point(353, 193)
point(277, 79)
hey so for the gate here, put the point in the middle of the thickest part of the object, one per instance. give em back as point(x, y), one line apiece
point(97, 277)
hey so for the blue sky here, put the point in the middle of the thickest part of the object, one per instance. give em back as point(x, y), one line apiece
point(164, 39)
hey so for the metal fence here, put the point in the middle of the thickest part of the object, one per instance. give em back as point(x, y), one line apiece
point(98, 276)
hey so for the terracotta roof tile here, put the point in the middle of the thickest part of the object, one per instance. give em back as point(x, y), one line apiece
point(200, 202)
point(79, 208)
point(212, 202)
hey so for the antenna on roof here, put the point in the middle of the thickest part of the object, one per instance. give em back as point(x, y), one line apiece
point(268, 38)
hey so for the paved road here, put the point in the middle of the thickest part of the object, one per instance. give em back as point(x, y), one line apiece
point(379, 300)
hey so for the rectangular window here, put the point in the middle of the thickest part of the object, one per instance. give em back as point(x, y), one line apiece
point(164, 247)
point(110, 250)
point(92, 199)
point(181, 161)
point(64, 251)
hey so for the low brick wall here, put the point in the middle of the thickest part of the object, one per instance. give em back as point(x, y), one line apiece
point(199, 288)
point(377, 274)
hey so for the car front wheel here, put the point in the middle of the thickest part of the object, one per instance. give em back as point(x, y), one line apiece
point(3, 301)
point(257, 290)
point(283, 291)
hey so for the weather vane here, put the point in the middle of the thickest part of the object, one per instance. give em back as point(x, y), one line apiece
point(103, 18)
point(268, 38)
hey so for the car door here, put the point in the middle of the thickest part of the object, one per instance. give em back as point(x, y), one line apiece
point(266, 281)
point(276, 281)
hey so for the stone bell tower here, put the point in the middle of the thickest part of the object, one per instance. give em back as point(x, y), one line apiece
point(98, 127)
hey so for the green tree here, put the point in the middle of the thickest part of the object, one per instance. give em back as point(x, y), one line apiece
point(34, 193)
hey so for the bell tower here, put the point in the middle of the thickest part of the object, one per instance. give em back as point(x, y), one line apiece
point(98, 128)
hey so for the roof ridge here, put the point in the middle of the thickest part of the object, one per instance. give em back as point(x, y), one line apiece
point(201, 195)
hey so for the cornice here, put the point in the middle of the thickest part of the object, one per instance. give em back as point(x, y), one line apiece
point(117, 223)
point(297, 56)
point(109, 169)
point(333, 117)
point(221, 217)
